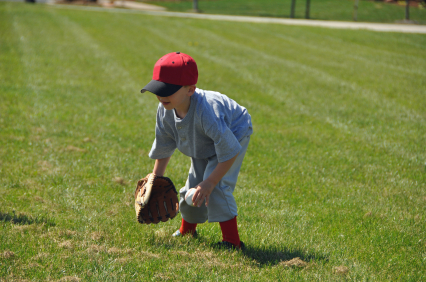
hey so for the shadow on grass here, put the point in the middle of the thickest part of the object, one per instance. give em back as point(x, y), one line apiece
point(273, 256)
point(263, 256)
point(23, 219)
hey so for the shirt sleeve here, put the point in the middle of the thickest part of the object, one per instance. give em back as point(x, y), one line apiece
point(225, 143)
point(164, 144)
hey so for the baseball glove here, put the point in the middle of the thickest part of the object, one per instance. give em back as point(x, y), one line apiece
point(155, 199)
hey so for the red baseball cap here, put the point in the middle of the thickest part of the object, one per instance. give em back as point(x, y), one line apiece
point(171, 72)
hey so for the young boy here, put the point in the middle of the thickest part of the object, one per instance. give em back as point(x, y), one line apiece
point(211, 129)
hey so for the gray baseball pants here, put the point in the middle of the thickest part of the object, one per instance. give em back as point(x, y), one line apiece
point(222, 206)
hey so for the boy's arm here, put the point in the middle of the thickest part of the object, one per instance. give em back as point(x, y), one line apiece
point(160, 166)
point(205, 188)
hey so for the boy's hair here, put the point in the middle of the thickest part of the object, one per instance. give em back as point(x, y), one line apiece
point(171, 72)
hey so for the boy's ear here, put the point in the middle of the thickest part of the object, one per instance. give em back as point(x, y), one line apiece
point(191, 89)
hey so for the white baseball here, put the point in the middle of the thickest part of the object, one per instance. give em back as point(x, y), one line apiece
point(188, 196)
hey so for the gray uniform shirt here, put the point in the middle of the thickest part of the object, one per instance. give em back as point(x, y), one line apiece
point(214, 125)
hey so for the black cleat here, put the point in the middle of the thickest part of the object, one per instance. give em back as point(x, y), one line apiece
point(230, 246)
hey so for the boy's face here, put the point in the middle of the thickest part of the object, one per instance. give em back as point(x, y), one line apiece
point(179, 100)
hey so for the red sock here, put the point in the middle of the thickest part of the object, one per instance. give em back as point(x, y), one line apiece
point(187, 227)
point(230, 231)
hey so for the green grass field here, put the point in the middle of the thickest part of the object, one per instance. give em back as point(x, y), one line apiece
point(337, 10)
point(335, 173)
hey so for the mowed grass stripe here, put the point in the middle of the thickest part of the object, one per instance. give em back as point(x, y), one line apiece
point(358, 52)
point(78, 44)
point(362, 55)
point(337, 60)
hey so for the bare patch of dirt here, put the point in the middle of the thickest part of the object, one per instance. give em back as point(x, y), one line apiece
point(47, 167)
point(39, 129)
point(296, 262)
point(149, 255)
point(21, 228)
point(114, 250)
point(30, 184)
point(66, 245)
point(40, 256)
point(343, 270)
point(95, 249)
point(33, 265)
point(162, 276)
point(112, 212)
point(72, 148)
point(70, 233)
point(70, 278)
point(368, 214)
point(181, 253)
point(97, 236)
point(120, 180)
point(39, 199)
point(122, 260)
point(44, 165)
point(7, 254)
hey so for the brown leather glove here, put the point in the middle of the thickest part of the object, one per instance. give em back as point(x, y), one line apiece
point(155, 199)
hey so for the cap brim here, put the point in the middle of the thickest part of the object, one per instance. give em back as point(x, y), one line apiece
point(161, 89)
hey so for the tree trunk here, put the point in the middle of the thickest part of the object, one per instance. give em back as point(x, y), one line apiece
point(308, 4)
point(195, 6)
point(407, 10)
point(293, 8)
point(356, 10)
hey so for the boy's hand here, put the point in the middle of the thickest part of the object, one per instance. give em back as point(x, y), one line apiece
point(204, 189)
